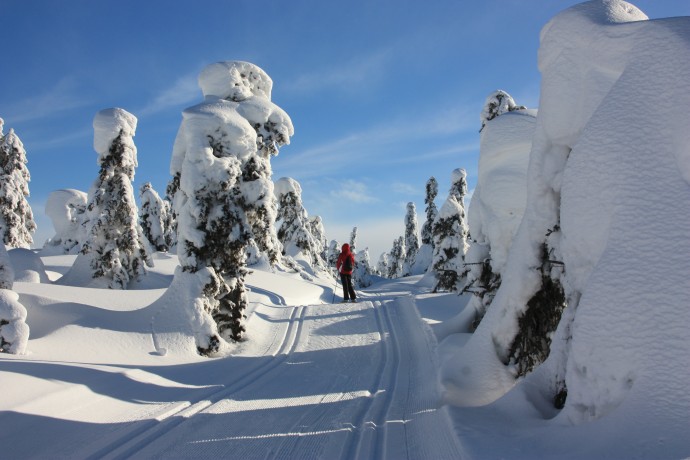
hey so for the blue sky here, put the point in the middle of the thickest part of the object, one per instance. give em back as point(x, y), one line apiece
point(382, 94)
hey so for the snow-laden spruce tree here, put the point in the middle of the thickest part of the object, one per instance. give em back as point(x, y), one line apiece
point(318, 231)
point(498, 103)
point(431, 211)
point(66, 209)
point(396, 259)
point(450, 237)
point(499, 200)
point(115, 251)
point(333, 253)
point(224, 200)
point(411, 239)
point(154, 217)
point(171, 225)
point(16, 218)
point(382, 265)
point(294, 230)
point(353, 241)
point(14, 332)
point(361, 275)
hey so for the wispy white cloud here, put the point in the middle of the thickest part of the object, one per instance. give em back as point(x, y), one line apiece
point(182, 92)
point(405, 189)
point(348, 76)
point(62, 97)
point(353, 191)
point(377, 144)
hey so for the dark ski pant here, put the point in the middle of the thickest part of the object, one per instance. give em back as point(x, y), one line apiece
point(348, 290)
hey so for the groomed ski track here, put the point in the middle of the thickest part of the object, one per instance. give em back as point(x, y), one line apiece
point(336, 381)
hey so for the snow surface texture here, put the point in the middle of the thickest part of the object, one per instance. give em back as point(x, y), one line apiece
point(621, 174)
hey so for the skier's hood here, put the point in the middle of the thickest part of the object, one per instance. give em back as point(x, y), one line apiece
point(346, 248)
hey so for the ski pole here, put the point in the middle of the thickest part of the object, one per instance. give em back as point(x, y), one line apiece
point(335, 288)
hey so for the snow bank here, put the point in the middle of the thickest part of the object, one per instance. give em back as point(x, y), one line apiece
point(614, 175)
point(28, 266)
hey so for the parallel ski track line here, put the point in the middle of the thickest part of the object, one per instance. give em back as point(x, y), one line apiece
point(147, 433)
point(369, 437)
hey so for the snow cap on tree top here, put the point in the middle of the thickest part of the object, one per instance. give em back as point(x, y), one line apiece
point(2, 123)
point(107, 125)
point(286, 185)
point(457, 175)
point(235, 80)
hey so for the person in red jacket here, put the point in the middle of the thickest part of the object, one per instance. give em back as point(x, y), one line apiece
point(345, 266)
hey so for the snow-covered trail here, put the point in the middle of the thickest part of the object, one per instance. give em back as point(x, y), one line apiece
point(315, 381)
point(347, 381)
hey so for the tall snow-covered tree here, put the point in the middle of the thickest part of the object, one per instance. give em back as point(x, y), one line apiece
point(295, 227)
point(153, 216)
point(396, 258)
point(431, 211)
point(411, 238)
point(14, 332)
point(498, 103)
point(382, 265)
point(361, 275)
point(450, 237)
point(224, 199)
point(171, 226)
point(353, 240)
point(333, 253)
point(318, 231)
point(16, 218)
point(115, 246)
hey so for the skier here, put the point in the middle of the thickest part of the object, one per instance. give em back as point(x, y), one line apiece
point(345, 265)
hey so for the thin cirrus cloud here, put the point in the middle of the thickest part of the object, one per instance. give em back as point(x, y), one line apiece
point(355, 192)
point(62, 97)
point(184, 91)
point(377, 144)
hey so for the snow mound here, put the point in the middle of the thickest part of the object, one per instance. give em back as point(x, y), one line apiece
point(28, 266)
point(14, 332)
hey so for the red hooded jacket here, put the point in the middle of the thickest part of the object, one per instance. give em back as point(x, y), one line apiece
point(344, 254)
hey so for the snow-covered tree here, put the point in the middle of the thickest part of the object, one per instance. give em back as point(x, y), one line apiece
point(171, 226)
point(361, 275)
point(115, 246)
point(382, 265)
point(431, 211)
point(66, 209)
point(498, 103)
point(396, 259)
point(353, 240)
point(16, 218)
point(14, 332)
point(318, 231)
point(295, 227)
point(450, 237)
point(411, 238)
point(225, 196)
point(498, 203)
point(153, 216)
point(333, 253)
